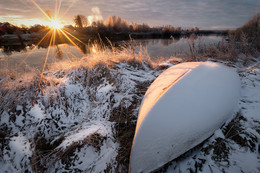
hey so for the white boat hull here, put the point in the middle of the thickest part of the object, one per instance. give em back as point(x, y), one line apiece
point(184, 106)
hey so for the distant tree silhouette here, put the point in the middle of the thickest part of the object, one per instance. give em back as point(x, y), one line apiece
point(117, 24)
point(37, 28)
point(80, 21)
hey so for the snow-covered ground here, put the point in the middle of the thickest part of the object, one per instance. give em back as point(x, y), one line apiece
point(235, 147)
point(83, 120)
point(72, 124)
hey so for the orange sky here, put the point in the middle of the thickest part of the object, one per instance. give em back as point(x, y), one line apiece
point(205, 14)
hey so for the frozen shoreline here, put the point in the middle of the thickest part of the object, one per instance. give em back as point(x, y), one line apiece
point(82, 118)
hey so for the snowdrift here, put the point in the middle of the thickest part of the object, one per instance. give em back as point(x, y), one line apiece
point(182, 108)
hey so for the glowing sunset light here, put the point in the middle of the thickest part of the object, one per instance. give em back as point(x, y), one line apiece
point(56, 31)
point(186, 14)
point(55, 24)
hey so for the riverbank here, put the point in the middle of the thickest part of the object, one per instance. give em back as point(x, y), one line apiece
point(83, 117)
point(26, 57)
point(90, 35)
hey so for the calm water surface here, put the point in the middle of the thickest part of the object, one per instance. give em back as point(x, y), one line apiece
point(22, 58)
point(157, 48)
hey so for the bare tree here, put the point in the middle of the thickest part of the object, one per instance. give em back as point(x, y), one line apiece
point(117, 23)
point(80, 21)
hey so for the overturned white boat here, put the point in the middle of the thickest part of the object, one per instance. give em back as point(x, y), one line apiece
point(182, 108)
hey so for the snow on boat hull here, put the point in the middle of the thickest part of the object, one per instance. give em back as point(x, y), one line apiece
point(182, 108)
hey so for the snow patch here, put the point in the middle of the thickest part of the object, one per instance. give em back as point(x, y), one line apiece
point(81, 134)
point(37, 113)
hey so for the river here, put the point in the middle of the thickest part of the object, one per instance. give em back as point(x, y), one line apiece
point(22, 58)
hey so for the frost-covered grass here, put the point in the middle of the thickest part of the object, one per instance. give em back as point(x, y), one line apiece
point(83, 118)
point(79, 118)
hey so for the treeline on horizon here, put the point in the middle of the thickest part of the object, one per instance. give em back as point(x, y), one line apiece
point(116, 27)
point(113, 25)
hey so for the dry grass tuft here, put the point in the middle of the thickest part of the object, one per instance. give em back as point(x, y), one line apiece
point(46, 154)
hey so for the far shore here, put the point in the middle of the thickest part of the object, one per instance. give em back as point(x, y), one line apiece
point(86, 36)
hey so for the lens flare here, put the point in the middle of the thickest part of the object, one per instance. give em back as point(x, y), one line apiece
point(56, 30)
point(55, 24)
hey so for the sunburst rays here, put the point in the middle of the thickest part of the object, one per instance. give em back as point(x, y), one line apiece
point(56, 31)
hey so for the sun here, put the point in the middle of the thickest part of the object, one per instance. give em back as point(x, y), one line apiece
point(55, 24)
point(56, 31)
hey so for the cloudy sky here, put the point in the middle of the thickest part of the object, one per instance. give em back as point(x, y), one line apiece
point(205, 14)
